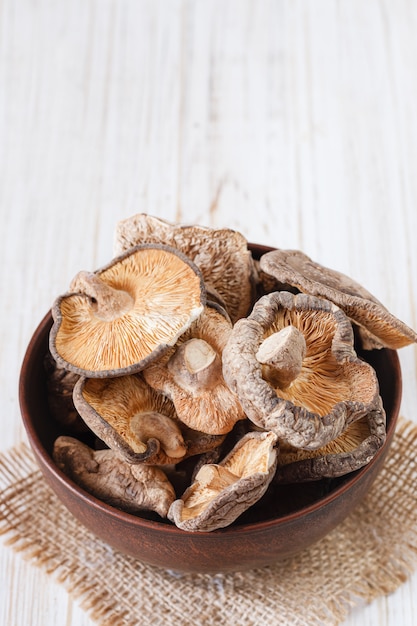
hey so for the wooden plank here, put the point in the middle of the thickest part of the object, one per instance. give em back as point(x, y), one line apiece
point(293, 122)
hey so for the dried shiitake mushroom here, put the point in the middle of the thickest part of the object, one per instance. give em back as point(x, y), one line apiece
point(353, 449)
point(137, 422)
point(191, 375)
point(118, 319)
point(132, 488)
point(221, 254)
point(221, 492)
point(377, 327)
point(309, 385)
point(131, 418)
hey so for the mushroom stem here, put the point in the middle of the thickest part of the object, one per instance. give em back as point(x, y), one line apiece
point(282, 355)
point(153, 425)
point(108, 303)
point(195, 365)
point(215, 477)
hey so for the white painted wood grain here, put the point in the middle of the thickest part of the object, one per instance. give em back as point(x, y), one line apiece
point(291, 121)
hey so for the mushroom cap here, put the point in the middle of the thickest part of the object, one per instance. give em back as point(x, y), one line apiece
point(334, 387)
point(113, 408)
point(221, 254)
point(377, 327)
point(353, 449)
point(132, 488)
point(202, 399)
point(221, 492)
point(167, 294)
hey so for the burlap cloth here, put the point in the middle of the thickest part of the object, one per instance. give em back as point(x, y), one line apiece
point(368, 555)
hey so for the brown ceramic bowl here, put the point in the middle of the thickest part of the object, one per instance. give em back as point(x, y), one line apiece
point(284, 522)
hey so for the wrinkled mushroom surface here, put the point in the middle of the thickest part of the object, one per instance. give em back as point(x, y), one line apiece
point(221, 254)
point(377, 327)
point(353, 449)
point(332, 388)
point(118, 319)
point(132, 488)
point(221, 492)
point(190, 374)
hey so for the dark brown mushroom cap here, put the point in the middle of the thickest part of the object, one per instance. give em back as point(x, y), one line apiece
point(221, 492)
point(334, 387)
point(353, 449)
point(126, 314)
point(221, 254)
point(195, 383)
point(377, 327)
point(132, 488)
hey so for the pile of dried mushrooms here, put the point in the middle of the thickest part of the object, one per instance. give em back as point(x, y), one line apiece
point(186, 348)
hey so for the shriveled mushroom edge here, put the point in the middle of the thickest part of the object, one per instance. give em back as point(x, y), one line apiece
point(263, 406)
point(232, 501)
point(107, 433)
point(336, 465)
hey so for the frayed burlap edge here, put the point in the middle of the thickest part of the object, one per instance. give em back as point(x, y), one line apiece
point(368, 555)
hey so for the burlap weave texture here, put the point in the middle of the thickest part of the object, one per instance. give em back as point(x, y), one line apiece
point(370, 554)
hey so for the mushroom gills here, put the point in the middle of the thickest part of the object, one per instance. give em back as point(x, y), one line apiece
point(251, 462)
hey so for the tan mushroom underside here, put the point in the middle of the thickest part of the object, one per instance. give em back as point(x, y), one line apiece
point(134, 411)
point(167, 295)
point(200, 395)
point(222, 492)
point(333, 388)
point(323, 380)
point(140, 424)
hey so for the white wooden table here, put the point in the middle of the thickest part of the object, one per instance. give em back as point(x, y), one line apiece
point(292, 121)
